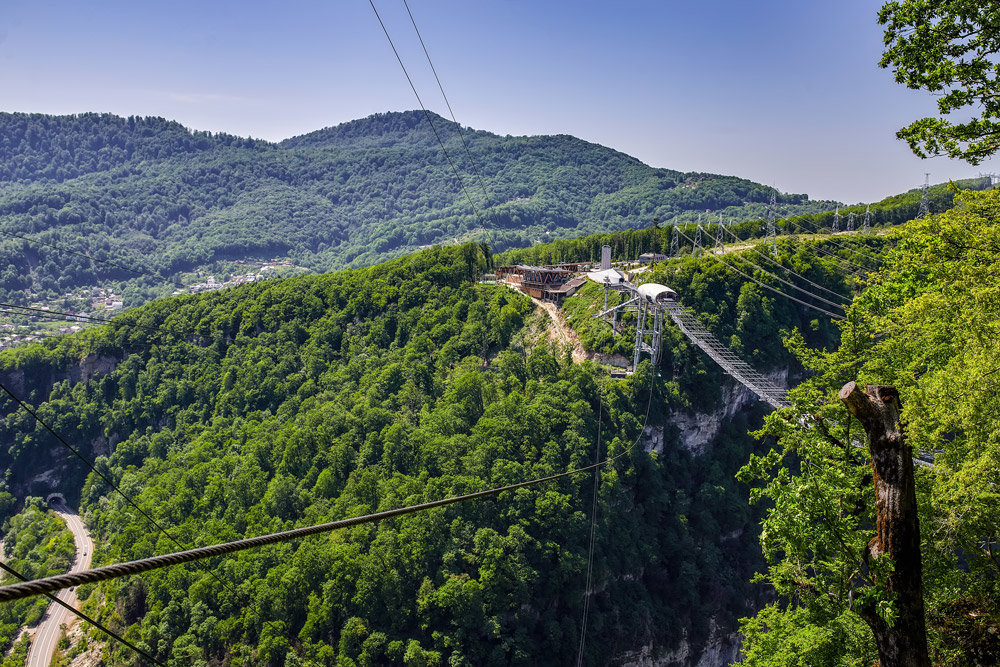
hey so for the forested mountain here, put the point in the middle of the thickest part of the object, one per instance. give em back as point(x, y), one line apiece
point(148, 194)
point(288, 403)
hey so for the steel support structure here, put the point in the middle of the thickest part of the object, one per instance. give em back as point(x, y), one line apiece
point(925, 200)
point(648, 339)
point(649, 325)
point(772, 229)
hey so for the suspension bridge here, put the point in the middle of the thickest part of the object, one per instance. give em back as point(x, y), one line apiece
point(652, 302)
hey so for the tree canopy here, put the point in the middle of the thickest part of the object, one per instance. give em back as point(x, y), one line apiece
point(305, 400)
point(949, 48)
point(927, 324)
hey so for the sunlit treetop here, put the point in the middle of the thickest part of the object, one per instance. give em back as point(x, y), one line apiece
point(948, 47)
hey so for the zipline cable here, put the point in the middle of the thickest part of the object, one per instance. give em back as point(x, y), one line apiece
point(58, 582)
point(31, 311)
point(116, 265)
point(93, 621)
point(461, 132)
point(107, 481)
point(590, 550)
point(427, 114)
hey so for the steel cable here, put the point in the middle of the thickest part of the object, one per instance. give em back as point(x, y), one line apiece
point(54, 583)
point(107, 481)
point(93, 621)
point(427, 114)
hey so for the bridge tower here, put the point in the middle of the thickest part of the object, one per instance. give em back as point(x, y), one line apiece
point(649, 324)
point(648, 318)
point(925, 202)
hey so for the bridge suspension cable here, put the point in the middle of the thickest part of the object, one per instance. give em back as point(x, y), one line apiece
point(743, 372)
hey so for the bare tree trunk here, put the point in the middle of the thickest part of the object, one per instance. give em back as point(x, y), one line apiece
point(897, 529)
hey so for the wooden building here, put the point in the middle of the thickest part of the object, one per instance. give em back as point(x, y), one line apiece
point(541, 282)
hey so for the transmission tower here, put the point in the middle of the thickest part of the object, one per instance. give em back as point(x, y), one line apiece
point(720, 239)
point(674, 242)
point(925, 203)
point(836, 221)
point(697, 238)
point(850, 222)
point(866, 226)
point(772, 230)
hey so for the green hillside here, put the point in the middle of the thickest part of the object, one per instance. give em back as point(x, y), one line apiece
point(150, 195)
point(292, 402)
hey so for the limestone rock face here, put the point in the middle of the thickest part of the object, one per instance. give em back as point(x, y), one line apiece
point(720, 650)
point(700, 428)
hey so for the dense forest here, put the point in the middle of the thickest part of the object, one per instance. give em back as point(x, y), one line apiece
point(292, 402)
point(139, 200)
point(36, 543)
point(927, 325)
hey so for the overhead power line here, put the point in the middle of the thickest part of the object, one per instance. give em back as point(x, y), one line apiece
point(769, 287)
point(833, 304)
point(773, 261)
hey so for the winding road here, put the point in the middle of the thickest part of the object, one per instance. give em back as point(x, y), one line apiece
point(46, 636)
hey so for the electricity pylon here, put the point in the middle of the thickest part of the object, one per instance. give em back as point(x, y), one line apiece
point(772, 230)
point(925, 202)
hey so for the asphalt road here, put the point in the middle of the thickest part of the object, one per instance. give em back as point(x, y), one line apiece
point(47, 634)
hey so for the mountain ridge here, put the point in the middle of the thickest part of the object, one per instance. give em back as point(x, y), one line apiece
point(151, 194)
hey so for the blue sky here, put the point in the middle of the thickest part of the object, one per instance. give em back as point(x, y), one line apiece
point(785, 92)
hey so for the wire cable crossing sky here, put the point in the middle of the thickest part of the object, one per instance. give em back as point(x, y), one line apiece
point(783, 93)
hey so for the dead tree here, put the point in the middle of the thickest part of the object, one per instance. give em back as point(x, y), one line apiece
point(897, 529)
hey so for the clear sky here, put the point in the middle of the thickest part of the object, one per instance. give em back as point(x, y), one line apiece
point(784, 92)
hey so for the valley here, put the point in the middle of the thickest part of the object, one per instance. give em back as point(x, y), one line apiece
point(227, 403)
